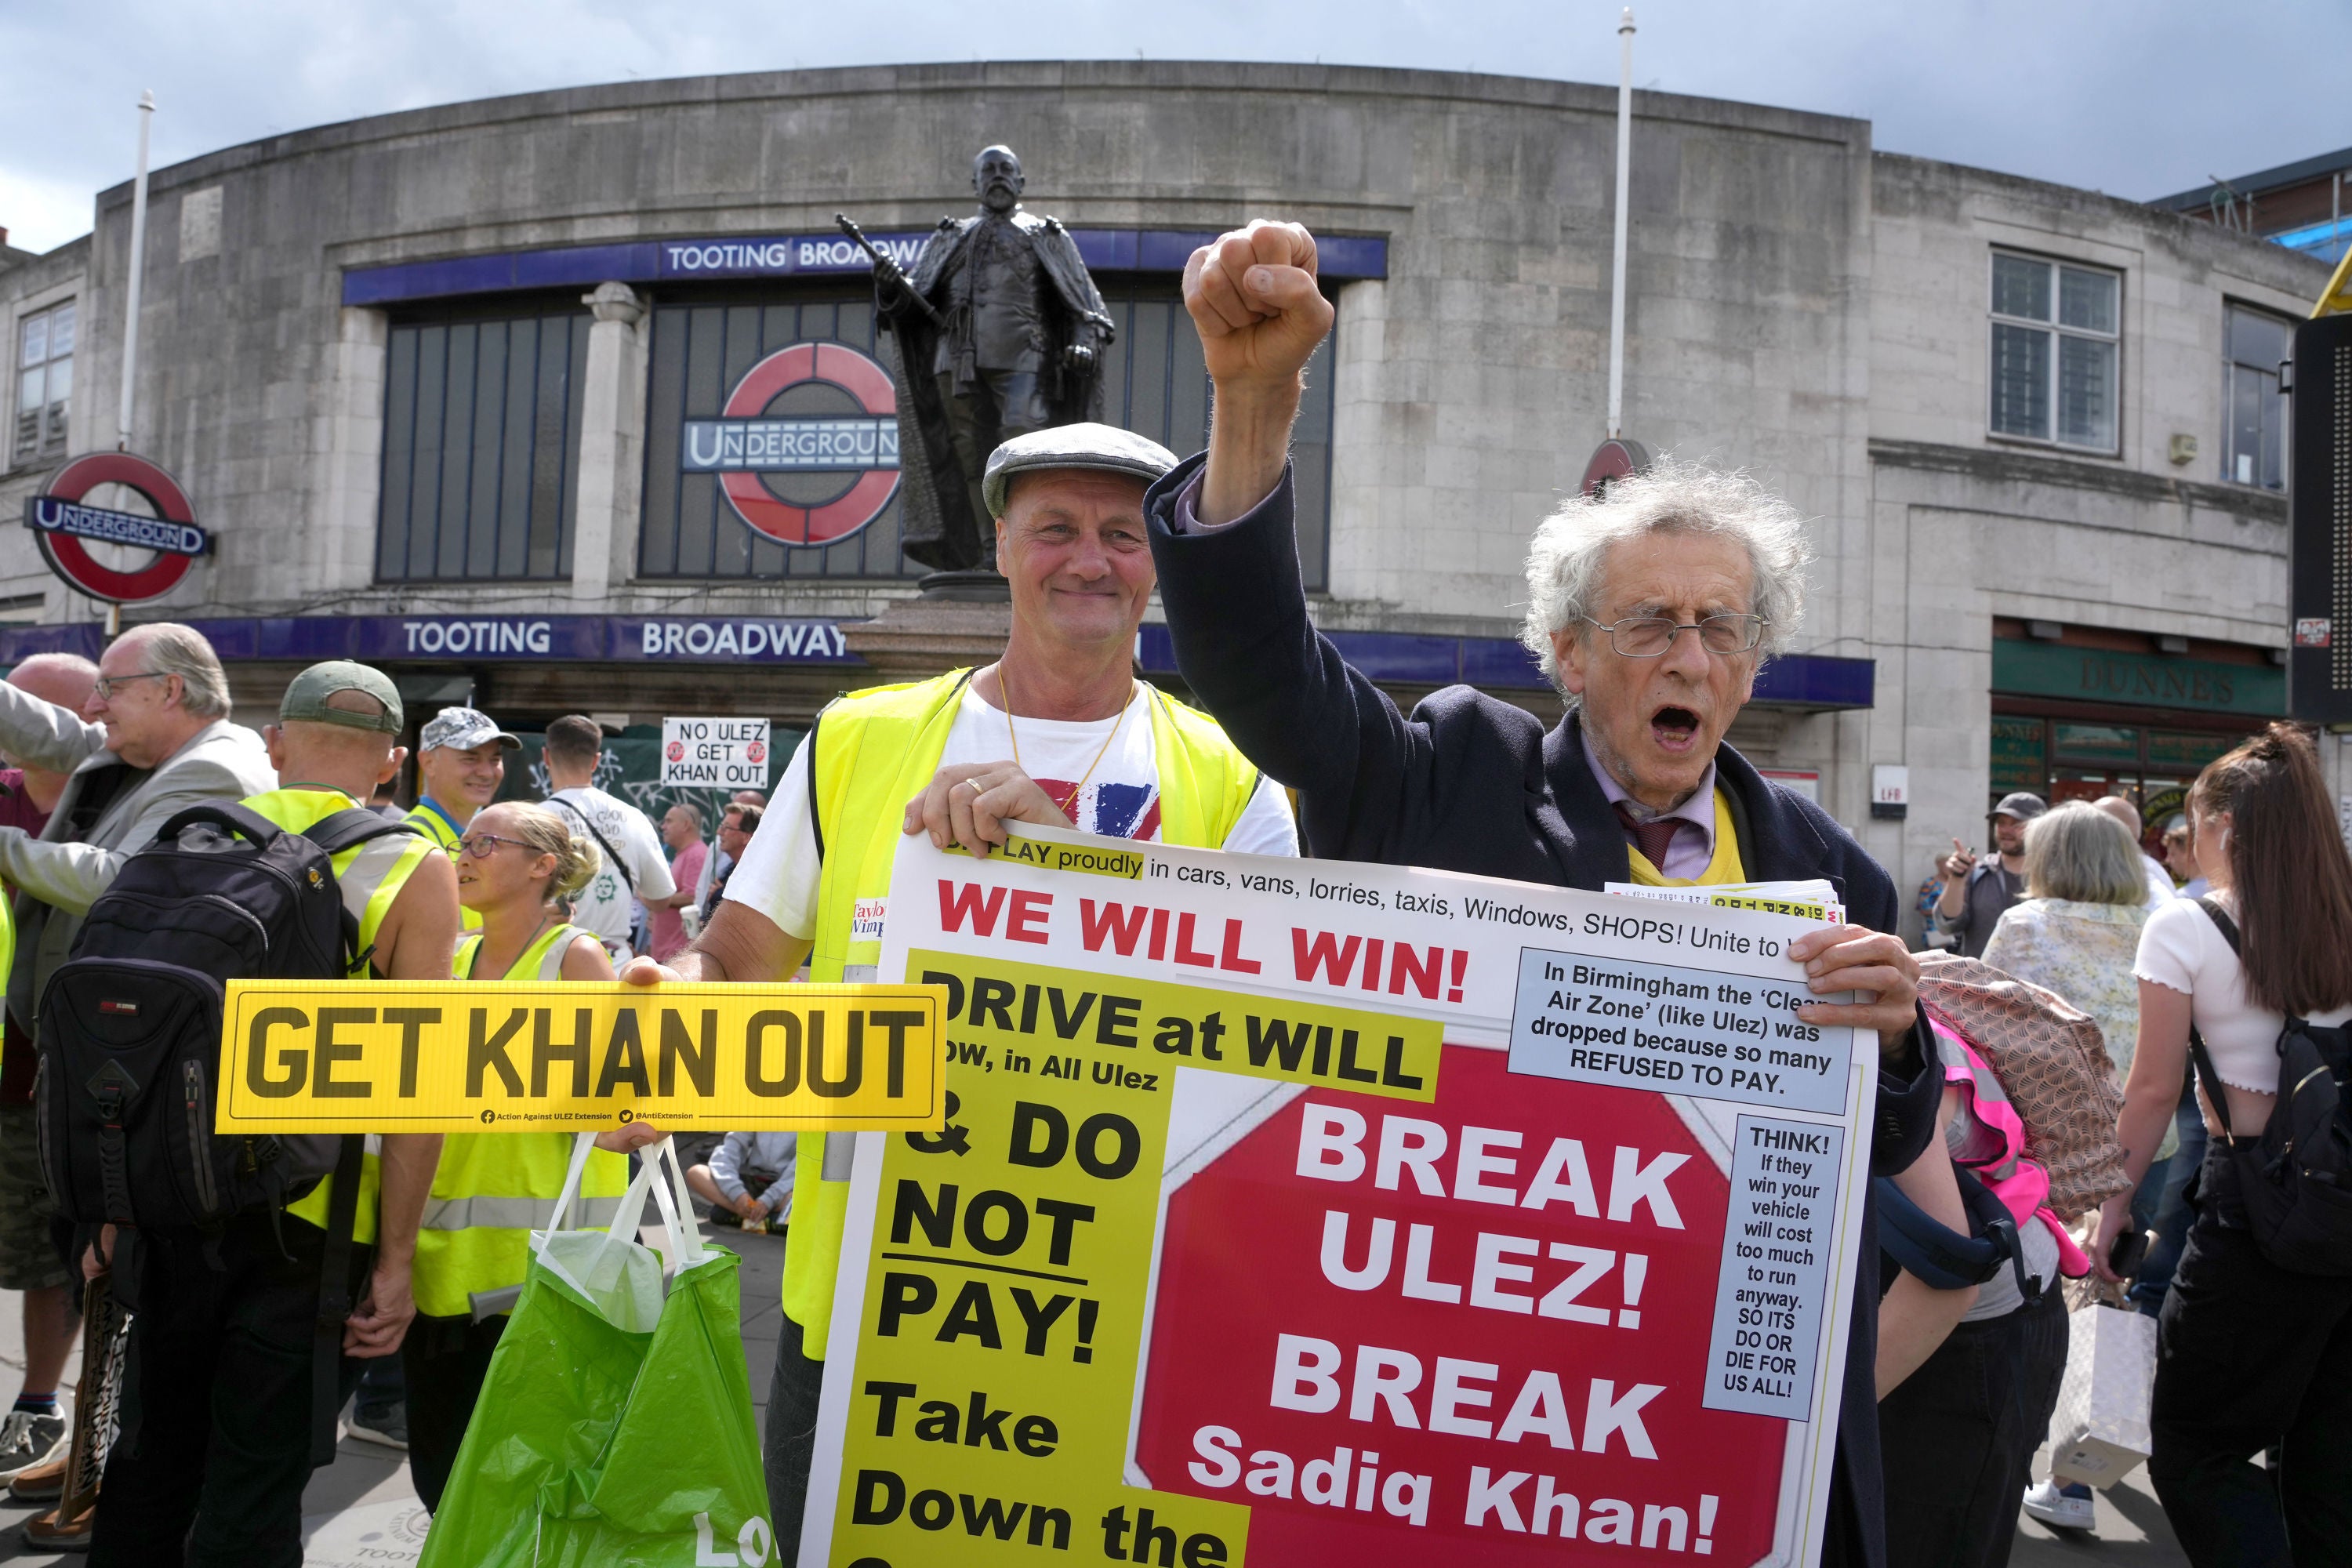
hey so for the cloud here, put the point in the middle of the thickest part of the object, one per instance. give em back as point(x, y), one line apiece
point(2137, 96)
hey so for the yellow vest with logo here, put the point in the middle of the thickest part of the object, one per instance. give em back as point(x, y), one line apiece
point(368, 878)
point(445, 833)
point(492, 1189)
point(875, 751)
point(1722, 867)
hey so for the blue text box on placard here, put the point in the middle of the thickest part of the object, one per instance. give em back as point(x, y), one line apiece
point(1674, 1030)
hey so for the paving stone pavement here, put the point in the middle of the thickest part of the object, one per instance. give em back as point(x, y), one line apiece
point(362, 1510)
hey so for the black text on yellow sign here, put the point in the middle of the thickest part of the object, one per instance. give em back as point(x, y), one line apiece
point(451, 1055)
point(1162, 1027)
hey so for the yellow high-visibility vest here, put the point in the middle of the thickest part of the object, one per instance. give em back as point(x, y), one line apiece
point(1722, 867)
point(369, 878)
point(876, 749)
point(438, 826)
point(491, 1189)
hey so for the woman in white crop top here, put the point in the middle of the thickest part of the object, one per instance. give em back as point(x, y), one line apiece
point(2249, 1354)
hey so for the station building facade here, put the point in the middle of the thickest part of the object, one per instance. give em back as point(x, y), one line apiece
point(477, 392)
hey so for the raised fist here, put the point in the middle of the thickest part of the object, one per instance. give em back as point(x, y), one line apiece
point(1253, 296)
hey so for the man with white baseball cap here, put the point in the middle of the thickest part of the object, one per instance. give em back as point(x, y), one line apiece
point(461, 761)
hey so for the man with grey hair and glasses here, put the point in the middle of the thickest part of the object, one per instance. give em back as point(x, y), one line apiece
point(1651, 609)
point(153, 739)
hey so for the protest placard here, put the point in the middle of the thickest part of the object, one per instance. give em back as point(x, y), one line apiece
point(1304, 1212)
point(715, 754)
point(420, 1055)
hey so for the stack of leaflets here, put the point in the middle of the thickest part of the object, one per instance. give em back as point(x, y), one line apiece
point(1812, 900)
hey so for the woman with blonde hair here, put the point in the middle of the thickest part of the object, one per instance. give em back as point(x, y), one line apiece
point(2250, 1353)
point(515, 862)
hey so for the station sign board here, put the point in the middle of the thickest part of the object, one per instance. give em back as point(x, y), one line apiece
point(64, 527)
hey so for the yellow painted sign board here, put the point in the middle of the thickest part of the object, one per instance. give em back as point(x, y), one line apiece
point(415, 1055)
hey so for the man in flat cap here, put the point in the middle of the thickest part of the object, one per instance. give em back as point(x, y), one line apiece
point(1057, 732)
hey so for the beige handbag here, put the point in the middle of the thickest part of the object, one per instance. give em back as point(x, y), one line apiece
point(2051, 1063)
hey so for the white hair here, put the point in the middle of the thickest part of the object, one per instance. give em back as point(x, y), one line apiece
point(1571, 548)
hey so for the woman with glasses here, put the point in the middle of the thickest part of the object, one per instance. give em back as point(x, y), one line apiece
point(514, 862)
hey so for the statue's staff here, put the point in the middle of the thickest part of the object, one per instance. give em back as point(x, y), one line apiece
point(886, 268)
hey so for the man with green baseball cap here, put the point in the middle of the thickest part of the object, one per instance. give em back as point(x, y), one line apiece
point(244, 1313)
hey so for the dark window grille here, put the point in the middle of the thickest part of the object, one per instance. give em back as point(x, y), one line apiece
point(481, 447)
point(1155, 383)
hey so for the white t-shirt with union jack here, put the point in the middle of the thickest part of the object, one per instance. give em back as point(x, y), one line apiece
point(1119, 798)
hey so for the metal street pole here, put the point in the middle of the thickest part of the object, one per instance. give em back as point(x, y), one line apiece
point(138, 269)
point(1625, 181)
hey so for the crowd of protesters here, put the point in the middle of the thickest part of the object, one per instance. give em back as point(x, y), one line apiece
point(1651, 605)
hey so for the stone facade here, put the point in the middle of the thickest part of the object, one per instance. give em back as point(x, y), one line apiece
point(1799, 305)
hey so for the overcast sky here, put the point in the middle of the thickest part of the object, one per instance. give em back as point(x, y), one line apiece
point(2141, 98)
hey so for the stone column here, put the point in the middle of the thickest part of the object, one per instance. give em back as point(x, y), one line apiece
point(611, 444)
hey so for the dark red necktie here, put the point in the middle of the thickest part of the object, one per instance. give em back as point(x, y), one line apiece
point(1654, 838)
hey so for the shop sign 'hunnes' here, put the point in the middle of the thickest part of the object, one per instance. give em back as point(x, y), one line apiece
point(857, 447)
point(63, 525)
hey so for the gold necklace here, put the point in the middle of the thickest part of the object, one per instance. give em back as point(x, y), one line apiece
point(1069, 807)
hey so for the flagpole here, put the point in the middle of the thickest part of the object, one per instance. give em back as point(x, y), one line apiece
point(1624, 181)
point(137, 270)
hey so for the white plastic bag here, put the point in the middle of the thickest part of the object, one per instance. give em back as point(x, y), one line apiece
point(615, 1272)
point(2100, 1429)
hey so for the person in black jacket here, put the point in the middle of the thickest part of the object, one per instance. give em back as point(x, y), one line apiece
point(1634, 783)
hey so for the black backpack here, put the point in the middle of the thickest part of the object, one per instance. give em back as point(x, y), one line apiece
point(130, 1029)
point(2296, 1179)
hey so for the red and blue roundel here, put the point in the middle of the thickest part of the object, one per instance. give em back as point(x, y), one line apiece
point(816, 470)
point(61, 524)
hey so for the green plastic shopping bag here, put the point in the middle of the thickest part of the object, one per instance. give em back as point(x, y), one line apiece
point(614, 1425)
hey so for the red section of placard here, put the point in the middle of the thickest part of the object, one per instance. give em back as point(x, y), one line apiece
point(1241, 1266)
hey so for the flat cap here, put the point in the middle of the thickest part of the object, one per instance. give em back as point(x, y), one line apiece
point(307, 694)
point(2022, 804)
point(1105, 448)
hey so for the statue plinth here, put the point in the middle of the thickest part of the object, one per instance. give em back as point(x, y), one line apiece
point(979, 585)
point(959, 623)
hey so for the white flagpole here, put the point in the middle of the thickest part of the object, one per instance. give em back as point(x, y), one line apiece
point(1625, 181)
point(138, 268)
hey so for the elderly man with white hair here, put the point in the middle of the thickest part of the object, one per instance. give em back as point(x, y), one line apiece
point(1651, 609)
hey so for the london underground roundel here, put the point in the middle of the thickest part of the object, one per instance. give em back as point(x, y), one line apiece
point(806, 448)
point(64, 528)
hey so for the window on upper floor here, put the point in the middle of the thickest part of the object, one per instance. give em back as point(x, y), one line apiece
point(481, 437)
point(2253, 407)
point(45, 349)
point(2055, 348)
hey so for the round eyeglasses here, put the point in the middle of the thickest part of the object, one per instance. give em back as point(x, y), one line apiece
point(1649, 636)
point(482, 846)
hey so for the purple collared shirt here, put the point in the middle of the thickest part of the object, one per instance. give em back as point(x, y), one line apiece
point(1690, 854)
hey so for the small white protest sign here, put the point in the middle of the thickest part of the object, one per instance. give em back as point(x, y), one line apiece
point(717, 754)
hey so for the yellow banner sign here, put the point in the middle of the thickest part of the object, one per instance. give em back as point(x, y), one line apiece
point(415, 1055)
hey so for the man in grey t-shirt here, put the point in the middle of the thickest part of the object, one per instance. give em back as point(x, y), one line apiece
point(1976, 892)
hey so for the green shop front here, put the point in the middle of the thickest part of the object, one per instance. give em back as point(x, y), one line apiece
point(2079, 713)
